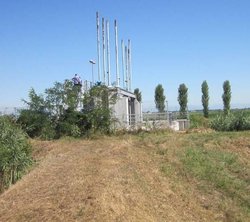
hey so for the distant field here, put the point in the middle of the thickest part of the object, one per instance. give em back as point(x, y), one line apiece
point(162, 176)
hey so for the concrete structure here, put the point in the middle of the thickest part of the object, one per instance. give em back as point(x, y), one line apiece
point(127, 111)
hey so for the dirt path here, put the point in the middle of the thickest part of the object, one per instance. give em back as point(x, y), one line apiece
point(103, 180)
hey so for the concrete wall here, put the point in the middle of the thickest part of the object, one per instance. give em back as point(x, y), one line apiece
point(120, 111)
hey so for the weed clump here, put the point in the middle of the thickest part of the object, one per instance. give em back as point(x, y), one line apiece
point(231, 122)
point(15, 152)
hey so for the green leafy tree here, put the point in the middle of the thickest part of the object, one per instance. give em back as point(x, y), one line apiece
point(56, 114)
point(138, 94)
point(97, 109)
point(35, 120)
point(55, 99)
point(36, 102)
point(159, 98)
point(205, 98)
point(62, 96)
point(183, 99)
point(226, 97)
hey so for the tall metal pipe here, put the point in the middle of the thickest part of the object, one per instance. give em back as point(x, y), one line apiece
point(108, 52)
point(116, 56)
point(126, 66)
point(129, 66)
point(123, 64)
point(103, 51)
point(98, 47)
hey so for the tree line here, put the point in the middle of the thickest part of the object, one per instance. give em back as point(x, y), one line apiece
point(183, 98)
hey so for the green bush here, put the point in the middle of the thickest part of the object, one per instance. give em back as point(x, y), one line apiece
point(71, 123)
point(34, 123)
point(48, 132)
point(15, 152)
point(232, 122)
point(197, 120)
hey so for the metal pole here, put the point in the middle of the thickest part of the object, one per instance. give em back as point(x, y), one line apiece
point(108, 53)
point(123, 64)
point(98, 47)
point(116, 56)
point(93, 73)
point(126, 66)
point(103, 51)
point(129, 65)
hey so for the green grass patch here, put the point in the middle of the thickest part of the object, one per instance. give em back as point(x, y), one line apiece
point(219, 169)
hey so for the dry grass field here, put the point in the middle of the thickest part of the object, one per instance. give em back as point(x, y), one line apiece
point(163, 176)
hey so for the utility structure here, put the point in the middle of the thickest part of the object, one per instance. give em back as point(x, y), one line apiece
point(127, 110)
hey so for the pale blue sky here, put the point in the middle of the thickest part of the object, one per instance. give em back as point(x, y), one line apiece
point(173, 42)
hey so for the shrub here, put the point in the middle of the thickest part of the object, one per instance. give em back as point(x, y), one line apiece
point(197, 120)
point(231, 122)
point(15, 152)
point(34, 122)
point(48, 131)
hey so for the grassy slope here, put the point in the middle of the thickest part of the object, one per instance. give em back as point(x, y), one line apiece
point(146, 177)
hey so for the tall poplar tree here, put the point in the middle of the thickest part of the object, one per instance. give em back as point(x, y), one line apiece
point(159, 98)
point(183, 99)
point(226, 97)
point(205, 98)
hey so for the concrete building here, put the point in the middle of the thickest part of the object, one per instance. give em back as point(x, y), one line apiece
point(127, 111)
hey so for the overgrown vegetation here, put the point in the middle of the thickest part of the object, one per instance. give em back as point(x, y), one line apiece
point(237, 121)
point(65, 111)
point(15, 152)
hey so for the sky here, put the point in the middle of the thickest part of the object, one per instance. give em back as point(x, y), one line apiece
point(173, 42)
